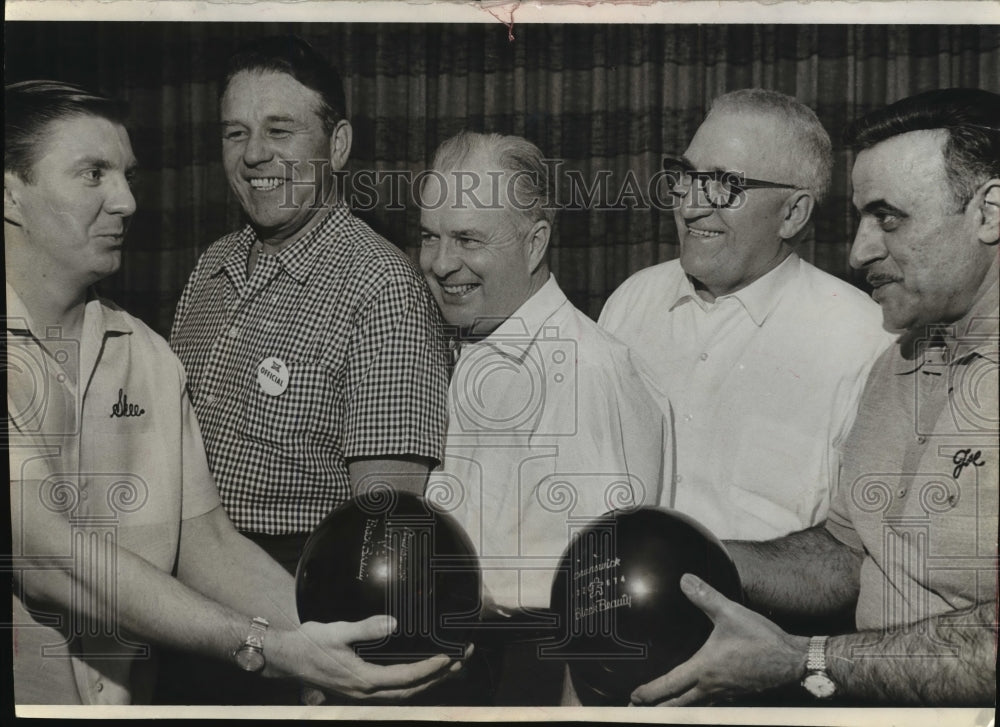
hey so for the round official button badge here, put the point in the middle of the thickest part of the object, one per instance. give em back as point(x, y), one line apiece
point(272, 375)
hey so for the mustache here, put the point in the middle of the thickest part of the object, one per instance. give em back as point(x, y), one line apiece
point(876, 278)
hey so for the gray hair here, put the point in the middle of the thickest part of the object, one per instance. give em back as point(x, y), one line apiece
point(813, 150)
point(522, 161)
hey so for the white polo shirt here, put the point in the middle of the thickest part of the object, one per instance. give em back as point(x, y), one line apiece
point(764, 385)
point(118, 453)
point(549, 425)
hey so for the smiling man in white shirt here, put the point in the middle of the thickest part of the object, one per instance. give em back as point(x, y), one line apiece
point(549, 421)
point(761, 355)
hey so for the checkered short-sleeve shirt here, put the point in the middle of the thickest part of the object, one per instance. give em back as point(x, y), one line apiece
point(348, 329)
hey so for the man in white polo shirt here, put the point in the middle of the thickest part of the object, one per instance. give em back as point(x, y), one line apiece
point(761, 355)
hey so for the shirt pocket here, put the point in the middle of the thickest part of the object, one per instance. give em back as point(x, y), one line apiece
point(293, 418)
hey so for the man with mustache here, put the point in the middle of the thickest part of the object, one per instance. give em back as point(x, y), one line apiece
point(761, 355)
point(911, 540)
point(110, 487)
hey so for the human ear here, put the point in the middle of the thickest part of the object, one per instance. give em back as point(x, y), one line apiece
point(12, 185)
point(797, 211)
point(340, 144)
point(987, 210)
point(538, 244)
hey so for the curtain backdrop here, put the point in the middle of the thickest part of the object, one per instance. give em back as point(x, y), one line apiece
point(608, 100)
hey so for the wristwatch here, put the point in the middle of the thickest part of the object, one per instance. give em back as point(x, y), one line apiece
point(250, 655)
point(817, 682)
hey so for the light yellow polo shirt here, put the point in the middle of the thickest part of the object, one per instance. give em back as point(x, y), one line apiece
point(119, 454)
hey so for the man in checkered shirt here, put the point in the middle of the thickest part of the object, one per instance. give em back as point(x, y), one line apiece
point(308, 339)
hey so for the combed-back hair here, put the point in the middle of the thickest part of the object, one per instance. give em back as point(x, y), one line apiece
point(813, 151)
point(970, 116)
point(294, 56)
point(522, 161)
point(31, 107)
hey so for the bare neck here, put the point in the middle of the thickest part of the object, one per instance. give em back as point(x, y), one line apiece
point(51, 299)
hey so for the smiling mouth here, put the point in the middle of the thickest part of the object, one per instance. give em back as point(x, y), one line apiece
point(266, 184)
point(458, 291)
point(702, 233)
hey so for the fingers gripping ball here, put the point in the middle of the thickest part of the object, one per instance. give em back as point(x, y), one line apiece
point(387, 552)
point(625, 619)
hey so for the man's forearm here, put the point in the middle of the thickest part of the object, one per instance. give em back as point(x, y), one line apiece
point(809, 573)
point(945, 660)
point(149, 604)
point(217, 561)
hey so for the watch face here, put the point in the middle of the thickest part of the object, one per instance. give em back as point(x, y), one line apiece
point(250, 659)
point(819, 685)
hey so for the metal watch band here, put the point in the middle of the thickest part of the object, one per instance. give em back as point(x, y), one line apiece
point(816, 660)
point(258, 628)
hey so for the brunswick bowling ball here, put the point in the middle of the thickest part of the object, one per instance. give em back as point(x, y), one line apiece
point(387, 552)
point(625, 619)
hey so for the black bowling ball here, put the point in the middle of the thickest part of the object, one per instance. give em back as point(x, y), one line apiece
point(625, 620)
point(387, 552)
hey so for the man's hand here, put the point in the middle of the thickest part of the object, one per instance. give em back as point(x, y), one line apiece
point(322, 655)
point(744, 653)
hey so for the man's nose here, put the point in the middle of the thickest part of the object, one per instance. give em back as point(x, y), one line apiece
point(695, 203)
point(443, 259)
point(257, 150)
point(120, 200)
point(868, 246)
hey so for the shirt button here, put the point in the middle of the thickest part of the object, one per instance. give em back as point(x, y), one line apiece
point(704, 357)
point(677, 478)
point(210, 399)
point(234, 332)
point(688, 417)
point(99, 686)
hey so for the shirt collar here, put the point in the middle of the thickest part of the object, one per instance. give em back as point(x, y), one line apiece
point(515, 336)
point(758, 299)
point(977, 333)
point(99, 316)
point(298, 259)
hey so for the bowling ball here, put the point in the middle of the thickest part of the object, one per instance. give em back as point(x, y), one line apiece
point(388, 552)
point(625, 620)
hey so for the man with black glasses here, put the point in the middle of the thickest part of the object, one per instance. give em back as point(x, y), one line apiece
point(762, 356)
point(911, 540)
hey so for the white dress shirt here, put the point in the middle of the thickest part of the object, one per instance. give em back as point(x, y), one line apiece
point(550, 423)
point(764, 385)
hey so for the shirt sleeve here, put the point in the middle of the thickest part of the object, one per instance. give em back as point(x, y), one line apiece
point(200, 494)
point(397, 375)
point(838, 520)
point(623, 438)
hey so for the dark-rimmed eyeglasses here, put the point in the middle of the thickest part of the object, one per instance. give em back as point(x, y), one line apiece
point(720, 189)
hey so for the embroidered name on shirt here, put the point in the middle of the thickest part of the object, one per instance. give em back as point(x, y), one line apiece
point(123, 409)
point(965, 457)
